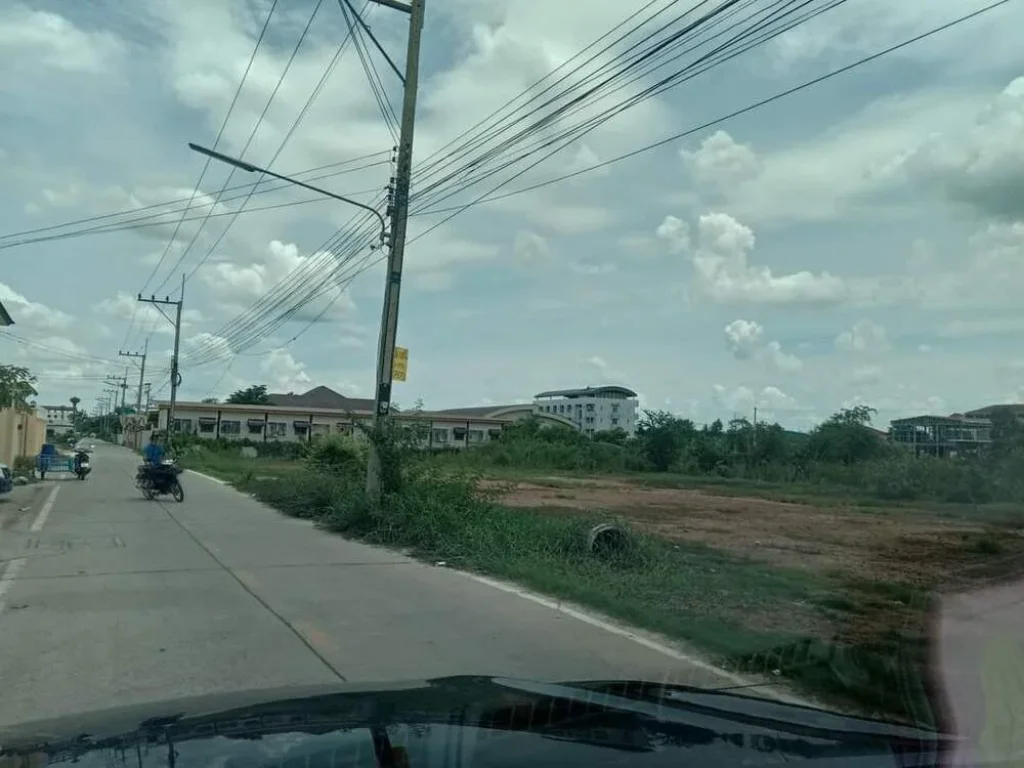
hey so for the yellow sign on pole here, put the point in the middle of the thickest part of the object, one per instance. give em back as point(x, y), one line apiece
point(400, 364)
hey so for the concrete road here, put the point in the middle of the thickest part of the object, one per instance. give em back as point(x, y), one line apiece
point(107, 599)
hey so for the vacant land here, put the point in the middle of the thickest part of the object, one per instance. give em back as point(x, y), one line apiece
point(831, 594)
point(915, 545)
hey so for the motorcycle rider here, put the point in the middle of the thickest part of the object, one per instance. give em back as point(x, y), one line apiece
point(152, 455)
point(80, 455)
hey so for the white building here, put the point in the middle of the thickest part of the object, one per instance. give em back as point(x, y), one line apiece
point(58, 419)
point(322, 411)
point(591, 409)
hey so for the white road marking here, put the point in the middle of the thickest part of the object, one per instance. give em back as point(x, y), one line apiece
point(608, 626)
point(14, 566)
point(7, 580)
point(44, 513)
point(208, 477)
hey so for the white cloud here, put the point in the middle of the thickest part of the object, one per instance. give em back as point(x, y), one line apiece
point(721, 264)
point(676, 233)
point(743, 338)
point(982, 165)
point(865, 337)
point(720, 162)
point(240, 286)
point(530, 247)
point(51, 40)
point(284, 373)
point(32, 314)
point(745, 341)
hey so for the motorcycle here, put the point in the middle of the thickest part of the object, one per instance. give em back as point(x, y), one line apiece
point(82, 466)
point(160, 480)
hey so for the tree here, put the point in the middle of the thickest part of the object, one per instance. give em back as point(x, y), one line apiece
point(209, 400)
point(74, 406)
point(663, 437)
point(16, 387)
point(254, 395)
point(845, 437)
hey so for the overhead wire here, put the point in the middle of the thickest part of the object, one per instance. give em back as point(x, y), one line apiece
point(318, 88)
point(248, 143)
point(177, 201)
point(681, 15)
point(372, 75)
point(206, 165)
point(744, 110)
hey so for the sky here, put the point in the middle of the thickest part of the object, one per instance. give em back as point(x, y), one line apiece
point(858, 242)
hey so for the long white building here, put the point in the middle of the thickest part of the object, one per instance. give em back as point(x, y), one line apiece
point(322, 411)
point(591, 409)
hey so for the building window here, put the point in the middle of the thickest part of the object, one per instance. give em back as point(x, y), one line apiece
point(615, 422)
point(207, 426)
point(590, 407)
point(476, 435)
point(615, 407)
point(255, 427)
point(439, 435)
point(277, 429)
point(231, 427)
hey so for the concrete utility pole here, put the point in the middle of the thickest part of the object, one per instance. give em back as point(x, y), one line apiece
point(142, 371)
point(396, 252)
point(176, 322)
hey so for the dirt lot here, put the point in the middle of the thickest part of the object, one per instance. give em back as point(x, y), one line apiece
point(879, 544)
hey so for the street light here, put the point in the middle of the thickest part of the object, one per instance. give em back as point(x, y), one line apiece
point(243, 165)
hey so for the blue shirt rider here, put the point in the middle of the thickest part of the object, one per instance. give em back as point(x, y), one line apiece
point(153, 453)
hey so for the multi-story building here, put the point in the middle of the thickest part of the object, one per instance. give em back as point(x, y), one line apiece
point(591, 409)
point(322, 411)
point(58, 419)
point(943, 436)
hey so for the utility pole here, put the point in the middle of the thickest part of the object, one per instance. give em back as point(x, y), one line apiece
point(142, 371)
point(396, 252)
point(176, 322)
point(148, 388)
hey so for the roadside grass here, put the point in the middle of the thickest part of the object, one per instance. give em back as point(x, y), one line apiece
point(235, 468)
point(789, 625)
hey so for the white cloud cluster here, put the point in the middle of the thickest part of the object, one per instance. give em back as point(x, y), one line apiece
point(720, 260)
point(53, 41)
point(720, 162)
point(865, 337)
point(32, 314)
point(981, 166)
point(745, 341)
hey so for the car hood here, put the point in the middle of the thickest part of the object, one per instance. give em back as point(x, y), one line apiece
point(485, 721)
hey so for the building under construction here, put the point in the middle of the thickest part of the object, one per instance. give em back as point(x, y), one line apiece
point(943, 436)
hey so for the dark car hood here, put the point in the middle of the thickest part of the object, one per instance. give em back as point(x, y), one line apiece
point(538, 723)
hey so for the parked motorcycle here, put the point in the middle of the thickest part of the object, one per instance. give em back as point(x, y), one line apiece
point(160, 480)
point(82, 465)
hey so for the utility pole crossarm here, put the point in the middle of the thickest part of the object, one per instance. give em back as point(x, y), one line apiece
point(403, 7)
point(175, 373)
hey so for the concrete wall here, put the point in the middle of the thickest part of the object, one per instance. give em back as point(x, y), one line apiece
point(21, 434)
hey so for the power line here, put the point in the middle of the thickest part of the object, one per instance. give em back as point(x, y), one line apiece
point(248, 142)
point(220, 134)
point(177, 201)
point(488, 197)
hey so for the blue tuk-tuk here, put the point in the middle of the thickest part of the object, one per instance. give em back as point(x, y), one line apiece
point(50, 460)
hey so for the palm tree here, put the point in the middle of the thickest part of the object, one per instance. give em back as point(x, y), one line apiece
point(74, 411)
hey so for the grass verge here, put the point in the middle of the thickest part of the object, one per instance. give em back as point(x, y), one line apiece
point(806, 628)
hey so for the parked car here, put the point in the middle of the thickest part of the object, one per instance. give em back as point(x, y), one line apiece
point(6, 479)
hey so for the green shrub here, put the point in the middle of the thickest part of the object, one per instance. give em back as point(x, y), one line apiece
point(24, 465)
point(337, 453)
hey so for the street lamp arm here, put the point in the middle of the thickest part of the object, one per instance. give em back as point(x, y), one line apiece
point(241, 164)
